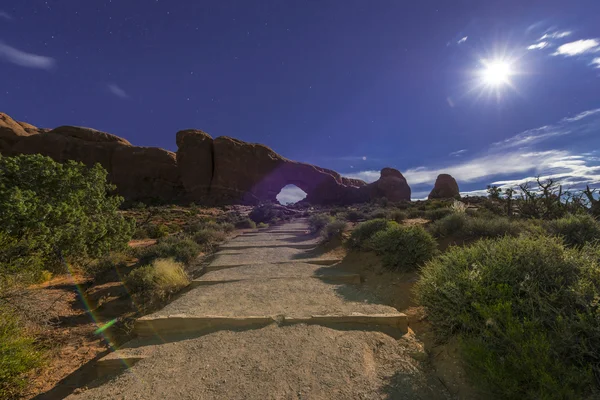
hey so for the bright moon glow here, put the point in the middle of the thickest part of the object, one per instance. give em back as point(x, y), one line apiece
point(496, 73)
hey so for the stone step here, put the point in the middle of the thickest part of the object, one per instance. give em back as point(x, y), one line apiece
point(178, 324)
point(351, 279)
point(315, 261)
point(269, 244)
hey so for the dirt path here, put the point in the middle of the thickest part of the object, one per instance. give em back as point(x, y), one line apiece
point(268, 320)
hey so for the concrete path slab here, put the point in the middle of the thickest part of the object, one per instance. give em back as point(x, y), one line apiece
point(287, 297)
point(228, 258)
point(275, 271)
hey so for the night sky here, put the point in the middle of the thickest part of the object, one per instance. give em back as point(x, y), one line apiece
point(489, 91)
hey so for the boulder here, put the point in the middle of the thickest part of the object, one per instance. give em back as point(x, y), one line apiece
point(445, 188)
point(195, 162)
point(392, 185)
point(12, 131)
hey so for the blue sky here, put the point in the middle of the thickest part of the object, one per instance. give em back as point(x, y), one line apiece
point(350, 85)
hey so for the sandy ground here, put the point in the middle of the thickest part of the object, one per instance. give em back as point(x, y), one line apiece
point(292, 362)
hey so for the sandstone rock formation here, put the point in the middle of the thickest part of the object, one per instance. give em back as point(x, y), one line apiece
point(204, 170)
point(391, 185)
point(445, 188)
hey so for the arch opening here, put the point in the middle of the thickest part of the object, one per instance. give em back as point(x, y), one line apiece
point(290, 194)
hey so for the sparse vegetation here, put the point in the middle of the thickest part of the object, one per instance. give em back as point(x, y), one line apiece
point(181, 249)
point(575, 230)
point(245, 223)
point(318, 221)
point(364, 231)
point(334, 230)
point(19, 353)
point(403, 248)
point(526, 311)
point(158, 280)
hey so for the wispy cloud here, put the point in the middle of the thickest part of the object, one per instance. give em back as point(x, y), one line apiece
point(538, 46)
point(458, 152)
point(596, 62)
point(24, 59)
point(464, 39)
point(555, 35)
point(520, 155)
point(577, 47)
point(117, 91)
point(5, 15)
point(533, 136)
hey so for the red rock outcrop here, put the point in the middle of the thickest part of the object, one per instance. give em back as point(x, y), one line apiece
point(195, 162)
point(204, 170)
point(445, 188)
point(392, 185)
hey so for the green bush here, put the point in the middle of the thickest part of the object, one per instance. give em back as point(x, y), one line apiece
point(365, 230)
point(245, 223)
point(157, 231)
point(59, 211)
point(18, 355)
point(183, 250)
point(403, 248)
point(437, 213)
point(262, 225)
point(466, 227)
point(449, 225)
point(266, 213)
point(415, 213)
point(158, 280)
point(526, 311)
point(208, 239)
point(317, 222)
point(355, 216)
point(398, 216)
point(334, 230)
point(99, 268)
point(378, 213)
point(576, 230)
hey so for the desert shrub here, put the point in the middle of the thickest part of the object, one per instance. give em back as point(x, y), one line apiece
point(525, 310)
point(317, 222)
point(398, 216)
point(576, 230)
point(334, 230)
point(492, 227)
point(466, 227)
point(183, 250)
point(355, 216)
point(18, 355)
point(265, 213)
point(415, 213)
point(403, 247)
point(102, 266)
point(245, 223)
point(158, 280)
point(437, 213)
point(262, 225)
point(365, 230)
point(60, 211)
point(157, 231)
point(208, 238)
point(449, 225)
point(458, 207)
point(378, 213)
